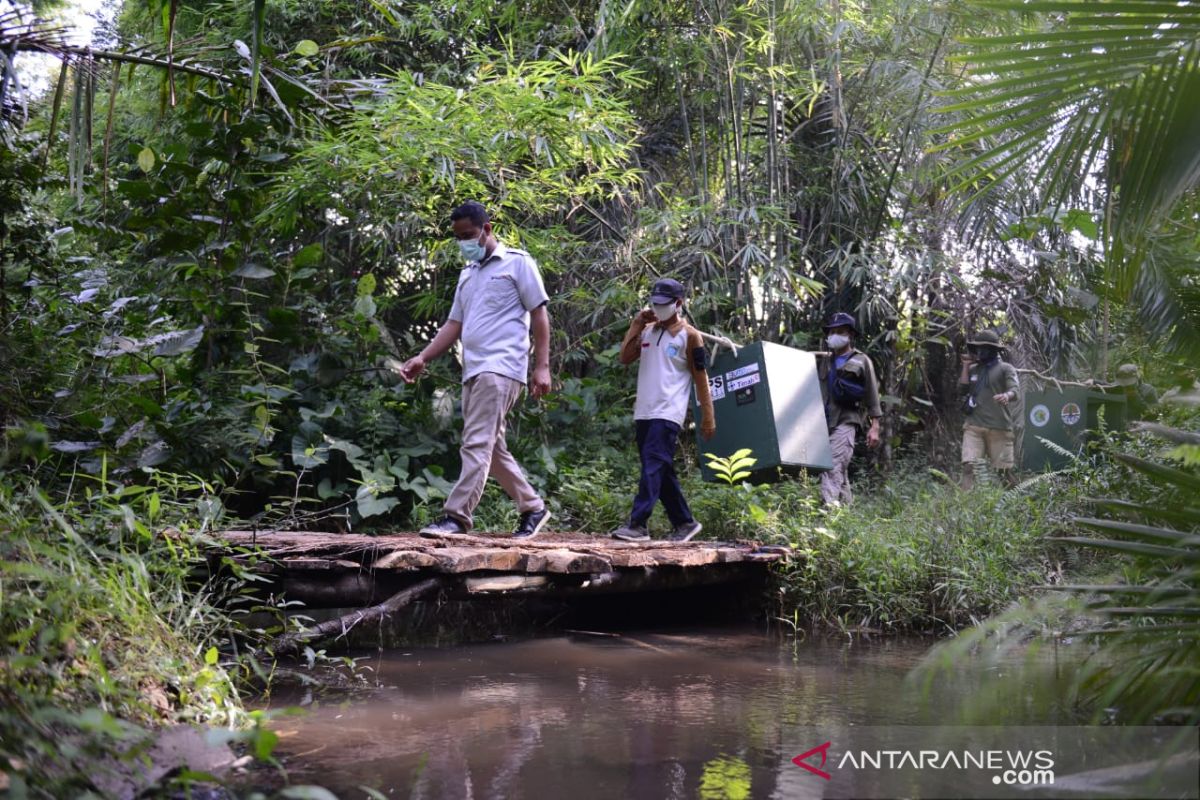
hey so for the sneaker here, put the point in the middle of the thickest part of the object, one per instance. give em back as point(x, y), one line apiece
point(531, 524)
point(632, 533)
point(446, 527)
point(685, 532)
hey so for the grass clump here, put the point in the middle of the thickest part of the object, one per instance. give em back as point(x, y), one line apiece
point(102, 640)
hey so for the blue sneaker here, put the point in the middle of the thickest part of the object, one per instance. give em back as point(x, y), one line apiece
point(531, 524)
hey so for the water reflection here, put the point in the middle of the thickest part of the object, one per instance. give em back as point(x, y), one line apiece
point(663, 715)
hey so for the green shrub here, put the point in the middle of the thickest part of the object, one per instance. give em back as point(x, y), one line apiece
point(101, 638)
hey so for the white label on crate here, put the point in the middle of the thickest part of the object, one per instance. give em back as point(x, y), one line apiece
point(740, 371)
point(742, 383)
point(716, 387)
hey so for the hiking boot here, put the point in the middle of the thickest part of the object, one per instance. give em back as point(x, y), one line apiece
point(685, 531)
point(632, 533)
point(444, 528)
point(531, 524)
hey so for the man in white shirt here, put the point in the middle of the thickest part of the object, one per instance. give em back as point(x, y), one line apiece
point(671, 359)
point(499, 295)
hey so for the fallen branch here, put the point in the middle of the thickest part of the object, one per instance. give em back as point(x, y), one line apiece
point(291, 642)
point(1090, 384)
point(1164, 432)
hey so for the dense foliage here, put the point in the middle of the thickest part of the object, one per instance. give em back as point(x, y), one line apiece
point(222, 223)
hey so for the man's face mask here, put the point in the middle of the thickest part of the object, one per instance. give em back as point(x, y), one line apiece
point(472, 249)
point(837, 341)
point(666, 311)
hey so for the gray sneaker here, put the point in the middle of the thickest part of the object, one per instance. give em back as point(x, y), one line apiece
point(685, 532)
point(444, 528)
point(632, 533)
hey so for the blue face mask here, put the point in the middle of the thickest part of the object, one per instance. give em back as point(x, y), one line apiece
point(472, 250)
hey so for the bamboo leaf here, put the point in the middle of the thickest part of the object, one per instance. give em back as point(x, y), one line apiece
point(1133, 548)
point(258, 18)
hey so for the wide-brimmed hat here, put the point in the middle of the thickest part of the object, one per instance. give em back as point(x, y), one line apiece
point(667, 290)
point(985, 339)
point(1128, 375)
point(839, 319)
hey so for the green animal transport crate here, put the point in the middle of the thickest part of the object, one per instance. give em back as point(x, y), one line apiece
point(1065, 417)
point(767, 398)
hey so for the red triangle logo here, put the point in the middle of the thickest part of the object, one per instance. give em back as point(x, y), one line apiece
point(802, 760)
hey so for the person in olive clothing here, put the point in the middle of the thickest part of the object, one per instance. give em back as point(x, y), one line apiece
point(991, 388)
point(1139, 395)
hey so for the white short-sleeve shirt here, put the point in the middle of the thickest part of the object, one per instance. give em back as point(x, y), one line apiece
point(493, 301)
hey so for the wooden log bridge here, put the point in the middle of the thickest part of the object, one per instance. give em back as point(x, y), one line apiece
point(325, 570)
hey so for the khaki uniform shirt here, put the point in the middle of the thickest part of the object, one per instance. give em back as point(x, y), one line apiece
point(859, 365)
point(1001, 377)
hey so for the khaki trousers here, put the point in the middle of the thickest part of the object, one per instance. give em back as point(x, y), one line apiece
point(995, 445)
point(835, 484)
point(486, 400)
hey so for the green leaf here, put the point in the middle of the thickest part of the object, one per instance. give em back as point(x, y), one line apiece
point(253, 271)
point(308, 446)
point(145, 159)
point(1135, 548)
point(264, 745)
point(174, 343)
point(1185, 480)
point(307, 48)
point(211, 656)
point(365, 305)
point(366, 285)
point(353, 452)
point(308, 256)
point(1082, 221)
point(369, 504)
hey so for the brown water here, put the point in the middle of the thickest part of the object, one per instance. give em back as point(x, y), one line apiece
point(690, 713)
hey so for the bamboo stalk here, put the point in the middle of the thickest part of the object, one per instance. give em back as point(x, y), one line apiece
point(108, 130)
point(125, 58)
point(172, 10)
point(887, 191)
point(687, 132)
point(56, 108)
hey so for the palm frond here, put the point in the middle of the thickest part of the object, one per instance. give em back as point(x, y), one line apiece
point(1106, 91)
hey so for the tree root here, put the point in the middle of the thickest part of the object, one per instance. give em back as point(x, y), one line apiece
point(290, 643)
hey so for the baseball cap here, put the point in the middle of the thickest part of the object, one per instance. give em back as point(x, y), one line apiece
point(839, 319)
point(667, 290)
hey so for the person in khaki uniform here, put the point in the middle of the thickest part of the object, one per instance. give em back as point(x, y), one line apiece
point(671, 359)
point(851, 394)
point(990, 389)
point(499, 294)
point(1139, 395)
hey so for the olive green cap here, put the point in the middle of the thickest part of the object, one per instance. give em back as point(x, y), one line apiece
point(986, 338)
point(1128, 375)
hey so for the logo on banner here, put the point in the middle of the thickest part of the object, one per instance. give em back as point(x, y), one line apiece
point(1039, 415)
